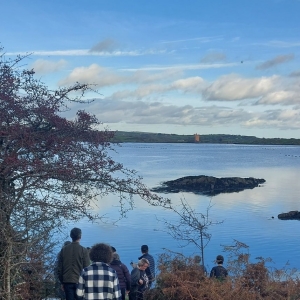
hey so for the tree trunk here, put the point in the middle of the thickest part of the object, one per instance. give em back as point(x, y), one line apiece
point(7, 269)
point(202, 248)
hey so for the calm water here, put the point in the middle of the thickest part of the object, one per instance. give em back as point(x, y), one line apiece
point(247, 215)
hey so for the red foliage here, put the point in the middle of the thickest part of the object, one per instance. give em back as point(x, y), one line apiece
point(51, 168)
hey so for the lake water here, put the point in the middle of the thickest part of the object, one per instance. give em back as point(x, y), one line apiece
point(246, 216)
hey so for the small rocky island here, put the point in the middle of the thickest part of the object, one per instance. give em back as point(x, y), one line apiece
point(291, 215)
point(208, 185)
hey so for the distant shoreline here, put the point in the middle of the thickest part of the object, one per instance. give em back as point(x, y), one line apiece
point(147, 137)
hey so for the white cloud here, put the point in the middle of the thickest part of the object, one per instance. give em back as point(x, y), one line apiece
point(42, 66)
point(233, 87)
point(191, 84)
point(140, 93)
point(94, 74)
point(142, 112)
point(183, 67)
point(87, 52)
point(279, 119)
point(281, 97)
point(282, 44)
point(206, 39)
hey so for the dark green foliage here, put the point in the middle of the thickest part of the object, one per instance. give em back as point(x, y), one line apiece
point(147, 137)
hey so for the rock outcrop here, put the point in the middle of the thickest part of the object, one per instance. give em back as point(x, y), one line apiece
point(291, 215)
point(208, 185)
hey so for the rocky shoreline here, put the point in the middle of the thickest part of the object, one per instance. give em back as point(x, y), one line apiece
point(208, 185)
point(291, 215)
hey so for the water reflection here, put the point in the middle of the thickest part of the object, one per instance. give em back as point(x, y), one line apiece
point(247, 215)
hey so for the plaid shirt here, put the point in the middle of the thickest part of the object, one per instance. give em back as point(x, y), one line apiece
point(98, 281)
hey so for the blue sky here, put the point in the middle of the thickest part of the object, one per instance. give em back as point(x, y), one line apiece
point(184, 67)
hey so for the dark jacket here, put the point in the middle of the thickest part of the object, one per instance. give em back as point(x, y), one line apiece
point(218, 272)
point(73, 258)
point(136, 275)
point(150, 271)
point(123, 274)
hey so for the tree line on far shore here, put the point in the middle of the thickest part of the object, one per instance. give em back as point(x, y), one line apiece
point(148, 137)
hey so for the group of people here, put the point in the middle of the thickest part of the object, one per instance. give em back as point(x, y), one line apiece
point(98, 273)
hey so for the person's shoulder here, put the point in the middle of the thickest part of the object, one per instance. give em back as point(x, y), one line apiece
point(135, 270)
point(123, 265)
point(110, 267)
point(124, 268)
point(84, 249)
point(64, 250)
point(148, 256)
point(214, 269)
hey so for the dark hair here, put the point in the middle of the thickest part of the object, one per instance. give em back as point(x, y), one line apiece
point(144, 248)
point(113, 249)
point(75, 234)
point(101, 253)
point(220, 259)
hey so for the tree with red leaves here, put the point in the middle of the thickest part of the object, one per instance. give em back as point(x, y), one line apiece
point(51, 169)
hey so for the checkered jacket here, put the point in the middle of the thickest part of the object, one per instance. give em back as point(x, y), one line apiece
point(98, 281)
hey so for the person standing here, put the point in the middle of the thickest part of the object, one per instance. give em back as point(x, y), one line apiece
point(139, 280)
point(150, 271)
point(219, 272)
point(99, 280)
point(202, 268)
point(58, 290)
point(72, 259)
point(122, 273)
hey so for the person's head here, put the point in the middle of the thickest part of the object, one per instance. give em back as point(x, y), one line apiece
point(101, 253)
point(197, 259)
point(75, 234)
point(144, 249)
point(220, 259)
point(115, 256)
point(143, 264)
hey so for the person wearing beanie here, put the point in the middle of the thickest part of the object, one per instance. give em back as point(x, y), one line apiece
point(219, 272)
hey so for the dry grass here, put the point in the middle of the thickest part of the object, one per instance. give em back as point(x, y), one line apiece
point(180, 279)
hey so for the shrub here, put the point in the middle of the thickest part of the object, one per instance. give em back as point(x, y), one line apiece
point(180, 278)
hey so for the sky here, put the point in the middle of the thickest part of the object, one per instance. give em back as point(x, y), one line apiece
point(168, 66)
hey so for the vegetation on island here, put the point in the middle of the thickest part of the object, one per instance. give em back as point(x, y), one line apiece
point(208, 185)
point(148, 137)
